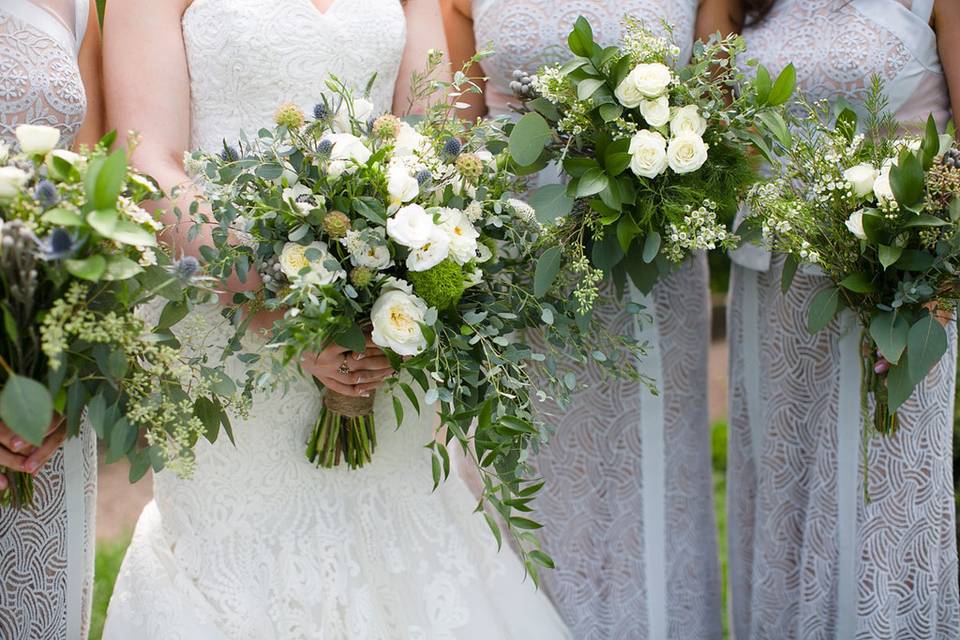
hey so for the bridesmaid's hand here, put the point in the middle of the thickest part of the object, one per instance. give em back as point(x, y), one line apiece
point(352, 374)
point(19, 455)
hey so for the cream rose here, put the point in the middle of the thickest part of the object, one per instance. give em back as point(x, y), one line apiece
point(396, 317)
point(362, 110)
point(686, 153)
point(656, 112)
point(687, 120)
point(855, 224)
point(461, 234)
point(881, 186)
point(347, 152)
point(294, 259)
point(37, 140)
point(12, 182)
point(648, 154)
point(861, 178)
point(433, 252)
point(376, 257)
point(411, 226)
point(647, 80)
point(401, 186)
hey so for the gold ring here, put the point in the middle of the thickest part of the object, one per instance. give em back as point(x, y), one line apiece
point(344, 369)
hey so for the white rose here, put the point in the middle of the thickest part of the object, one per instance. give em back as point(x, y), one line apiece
point(881, 187)
point(647, 80)
point(37, 140)
point(411, 226)
point(12, 182)
point(686, 153)
point(396, 317)
point(401, 186)
point(855, 224)
point(376, 257)
point(362, 110)
point(687, 120)
point(461, 233)
point(293, 260)
point(408, 142)
point(861, 178)
point(347, 152)
point(656, 112)
point(432, 253)
point(648, 154)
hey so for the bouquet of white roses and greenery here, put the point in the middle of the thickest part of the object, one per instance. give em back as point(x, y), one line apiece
point(405, 230)
point(878, 213)
point(78, 256)
point(655, 155)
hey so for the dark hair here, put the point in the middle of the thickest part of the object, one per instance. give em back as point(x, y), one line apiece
point(754, 11)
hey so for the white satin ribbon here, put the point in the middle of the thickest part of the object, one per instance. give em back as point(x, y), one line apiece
point(849, 424)
point(652, 458)
point(74, 484)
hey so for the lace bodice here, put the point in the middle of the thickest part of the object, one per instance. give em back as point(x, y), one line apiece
point(297, 47)
point(527, 34)
point(838, 45)
point(39, 79)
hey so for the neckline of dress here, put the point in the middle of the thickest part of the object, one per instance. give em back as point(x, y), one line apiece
point(323, 12)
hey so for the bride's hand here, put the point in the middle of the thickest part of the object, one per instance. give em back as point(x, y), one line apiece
point(19, 455)
point(348, 373)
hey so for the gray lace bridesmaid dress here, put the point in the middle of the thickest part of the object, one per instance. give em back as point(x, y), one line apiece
point(810, 557)
point(46, 554)
point(627, 506)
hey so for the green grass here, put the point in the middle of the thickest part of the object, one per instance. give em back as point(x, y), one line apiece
point(109, 556)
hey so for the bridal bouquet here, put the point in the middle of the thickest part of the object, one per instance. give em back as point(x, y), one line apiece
point(402, 230)
point(77, 257)
point(655, 156)
point(878, 214)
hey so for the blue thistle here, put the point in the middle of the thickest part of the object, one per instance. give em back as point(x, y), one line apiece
point(320, 111)
point(229, 154)
point(324, 147)
point(46, 194)
point(423, 177)
point(58, 245)
point(185, 268)
point(451, 148)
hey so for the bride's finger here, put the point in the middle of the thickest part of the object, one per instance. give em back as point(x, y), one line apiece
point(339, 387)
point(369, 364)
point(12, 441)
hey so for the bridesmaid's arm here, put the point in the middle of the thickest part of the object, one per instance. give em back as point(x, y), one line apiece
point(946, 21)
point(725, 16)
point(424, 32)
point(458, 23)
point(91, 71)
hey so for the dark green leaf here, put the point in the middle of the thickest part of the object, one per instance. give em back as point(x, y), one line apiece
point(103, 221)
point(548, 267)
point(592, 182)
point(906, 180)
point(651, 246)
point(925, 220)
point(783, 86)
point(121, 268)
point(91, 268)
point(607, 252)
point(823, 308)
point(627, 231)
point(610, 112)
point(352, 338)
point(899, 385)
point(790, 265)
point(580, 39)
point(889, 331)
point(110, 180)
point(62, 217)
point(586, 88)
point(858, 282)
point(926, 344)
point(889, 255)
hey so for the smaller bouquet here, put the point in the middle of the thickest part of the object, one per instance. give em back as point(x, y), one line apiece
point(655, 155)
point(78, 257)
point(878, 214)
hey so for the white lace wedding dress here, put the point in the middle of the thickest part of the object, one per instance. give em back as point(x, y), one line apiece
point(260, 544)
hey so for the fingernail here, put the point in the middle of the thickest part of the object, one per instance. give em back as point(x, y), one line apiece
point(30, 466)
point(365, 394)
point(360, 356)
point(17, 444)
point(3, 483)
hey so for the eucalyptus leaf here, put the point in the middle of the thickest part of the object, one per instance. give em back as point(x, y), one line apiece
point(528, 139)
point(548, 267)
point(91, 268)
point(26, 408)
point(823, 308)
point(889, 331)
point(926, 344)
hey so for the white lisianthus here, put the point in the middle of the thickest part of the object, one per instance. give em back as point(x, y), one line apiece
point(686, 153)
point(461, 233)
point(486, 157)
point(362, 110)
point(861, 178)
point(855, 224)
point(408, 142)
point(648, 154)
point(37, 140)
point(687, 120)
point(4, 152)
point(432, 253)
point(474, 278)
point(376, 257)
point(396, 317)
point(293, 260)
point(401, 186)
point(12, 182)
point(290, 194)
point(411, 226)
point(73, 158)
point(656, 112)
point(347, 152)
point(647, 80)
point(881, 186)
point(392, 283)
